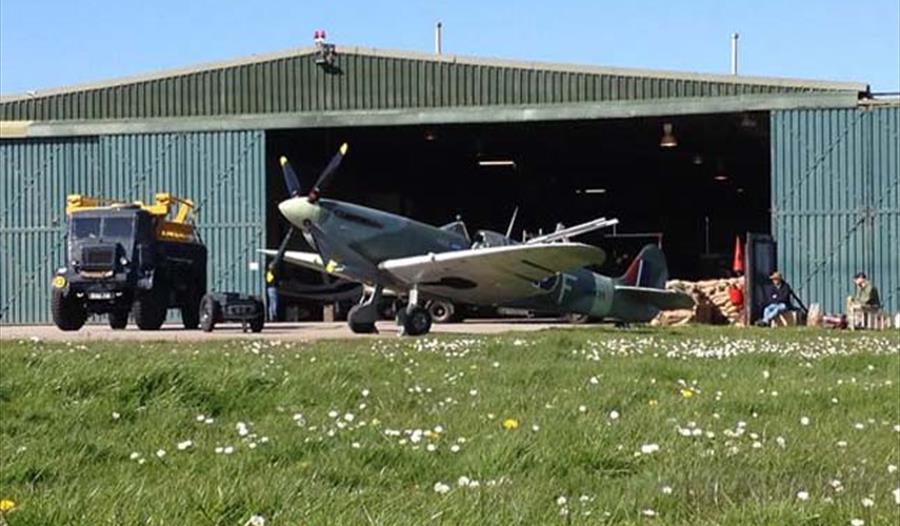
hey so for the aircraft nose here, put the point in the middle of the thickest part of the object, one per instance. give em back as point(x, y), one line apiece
point(297, 210)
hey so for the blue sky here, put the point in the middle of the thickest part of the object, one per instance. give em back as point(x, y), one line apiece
point(48, 43)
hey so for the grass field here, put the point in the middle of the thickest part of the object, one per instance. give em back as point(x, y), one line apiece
point(691, 426)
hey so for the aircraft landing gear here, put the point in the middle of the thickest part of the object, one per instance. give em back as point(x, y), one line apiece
point(362, 316)
point(413, 320)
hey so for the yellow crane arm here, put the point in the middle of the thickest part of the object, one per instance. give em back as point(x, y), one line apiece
point(177, 226)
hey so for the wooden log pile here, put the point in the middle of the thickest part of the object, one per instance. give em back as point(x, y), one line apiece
point(712, 303)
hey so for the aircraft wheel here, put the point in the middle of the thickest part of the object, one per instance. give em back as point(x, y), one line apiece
point(417, 322)
point(442, 311)
point(576, 318)
point(359, 327)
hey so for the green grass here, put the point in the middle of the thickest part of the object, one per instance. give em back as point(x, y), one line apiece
point(64, 458)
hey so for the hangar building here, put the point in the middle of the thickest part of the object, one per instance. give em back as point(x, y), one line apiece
point(691, 159)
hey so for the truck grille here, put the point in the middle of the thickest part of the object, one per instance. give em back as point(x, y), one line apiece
point(98, 258)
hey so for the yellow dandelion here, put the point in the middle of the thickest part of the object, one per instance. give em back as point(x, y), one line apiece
point(6, 505)
point(653, 403)
point(510, 423)
point(687, 393)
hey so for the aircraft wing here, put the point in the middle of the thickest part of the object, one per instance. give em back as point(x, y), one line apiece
point(310, 260)
point(659, 298)
point(491, 275)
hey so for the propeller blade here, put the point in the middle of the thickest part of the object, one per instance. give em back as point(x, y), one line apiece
point(327, 172)
point(290, 177)
point(279, 256)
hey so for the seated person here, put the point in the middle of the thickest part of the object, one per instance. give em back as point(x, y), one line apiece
point(778, 299)
point(866, 295)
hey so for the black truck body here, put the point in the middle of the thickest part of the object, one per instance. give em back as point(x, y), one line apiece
point(117, 264)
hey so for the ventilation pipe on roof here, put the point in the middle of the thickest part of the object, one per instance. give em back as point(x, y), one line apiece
point(437, 37)
point(734, 42)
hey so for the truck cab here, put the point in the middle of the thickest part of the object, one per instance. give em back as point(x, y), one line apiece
point(129, 259)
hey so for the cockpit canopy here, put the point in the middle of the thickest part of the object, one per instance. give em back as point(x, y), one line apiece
point(489, 238)
point(458, 228)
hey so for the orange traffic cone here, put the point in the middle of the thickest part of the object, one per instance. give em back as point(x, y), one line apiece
point(737, 264)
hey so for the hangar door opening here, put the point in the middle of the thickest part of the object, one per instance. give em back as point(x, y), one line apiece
point(691, 182)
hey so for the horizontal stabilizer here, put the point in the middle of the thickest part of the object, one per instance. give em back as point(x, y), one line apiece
point(659, 298)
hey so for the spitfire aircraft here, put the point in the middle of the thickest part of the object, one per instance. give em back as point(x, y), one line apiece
point(423, 262)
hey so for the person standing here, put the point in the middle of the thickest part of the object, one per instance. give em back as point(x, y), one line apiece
point(778, 298)
point(272, 292)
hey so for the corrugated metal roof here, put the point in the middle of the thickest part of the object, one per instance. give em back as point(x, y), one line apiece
point(371, 79)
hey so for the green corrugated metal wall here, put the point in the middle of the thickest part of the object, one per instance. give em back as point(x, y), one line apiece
point(836, 201)
point(225, 170)
point(296, 84)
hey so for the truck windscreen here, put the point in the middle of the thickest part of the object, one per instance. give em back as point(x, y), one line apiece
point(85, 227)
point(107, 227)
point(117, 226)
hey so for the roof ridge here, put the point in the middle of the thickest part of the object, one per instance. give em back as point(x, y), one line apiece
point(447, 58)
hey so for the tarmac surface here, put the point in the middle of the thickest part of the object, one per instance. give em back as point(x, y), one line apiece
point(298, 331)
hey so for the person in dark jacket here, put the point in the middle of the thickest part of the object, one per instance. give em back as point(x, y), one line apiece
point(778, 298)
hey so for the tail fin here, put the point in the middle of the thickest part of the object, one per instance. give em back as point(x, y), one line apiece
point(647, 270)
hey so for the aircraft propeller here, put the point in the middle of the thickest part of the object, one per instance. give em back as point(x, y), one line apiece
point(292, 183)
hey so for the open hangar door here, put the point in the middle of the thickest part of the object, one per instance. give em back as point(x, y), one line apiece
point(693, 196)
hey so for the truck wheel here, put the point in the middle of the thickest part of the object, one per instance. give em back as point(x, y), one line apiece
point(118, 319)
point(256, 324)
point(150, 309)
point(68, 313)
point(442, 311)
point(209, 313)
point(190, 311)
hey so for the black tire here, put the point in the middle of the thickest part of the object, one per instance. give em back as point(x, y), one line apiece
point(118, 320)
point(576, 318)
point(150, 308)
point(417, 322)
point(387, 309)
point(210, 311)
point(359, 327)
point(190, 310)
point(68, 313)
point(442, 311)
point(257, 323)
